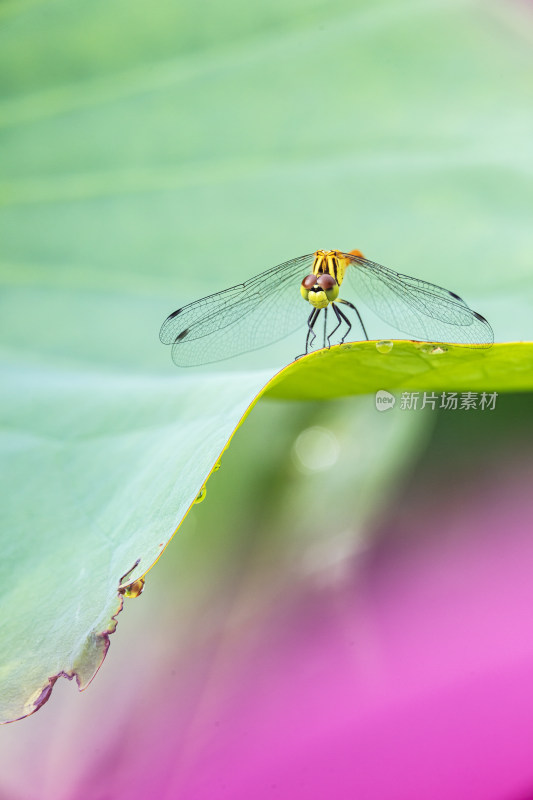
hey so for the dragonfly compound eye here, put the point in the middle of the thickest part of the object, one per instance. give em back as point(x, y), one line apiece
point(326, 281)
point(308, 282)
point(329, 285)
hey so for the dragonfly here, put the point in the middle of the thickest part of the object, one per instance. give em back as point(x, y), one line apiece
point(319, 293)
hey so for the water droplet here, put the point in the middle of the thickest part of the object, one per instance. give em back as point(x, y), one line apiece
point(201, 494)
point(384, 346)
point(133, 589)
point(431, 348)
point(216, 467)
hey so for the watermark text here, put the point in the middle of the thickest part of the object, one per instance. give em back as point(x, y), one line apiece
point(449, 401)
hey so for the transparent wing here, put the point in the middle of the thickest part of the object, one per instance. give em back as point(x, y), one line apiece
point(245, 317)
point(416, 307)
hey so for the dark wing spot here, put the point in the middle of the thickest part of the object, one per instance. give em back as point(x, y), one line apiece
point(479, 317)
point(456, 296)
point(174, 314)
point(182, 335)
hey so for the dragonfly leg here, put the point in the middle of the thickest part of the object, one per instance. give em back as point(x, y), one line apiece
point(346, 303)
point(337, 326)
point(313, 316)
point(347, 321)
point(325, 326)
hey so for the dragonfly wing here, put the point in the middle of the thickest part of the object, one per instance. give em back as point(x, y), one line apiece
point(245, 317)
point(418, 308)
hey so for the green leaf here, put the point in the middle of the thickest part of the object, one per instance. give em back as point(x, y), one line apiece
point(97, 474)
point(150, 159)
point(365, 367)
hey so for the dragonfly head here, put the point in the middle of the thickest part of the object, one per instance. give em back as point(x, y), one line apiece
point(319, 290)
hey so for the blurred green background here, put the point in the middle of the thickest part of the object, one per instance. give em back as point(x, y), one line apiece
point(151, 157)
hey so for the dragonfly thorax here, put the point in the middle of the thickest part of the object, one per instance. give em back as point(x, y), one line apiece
point(330, 262)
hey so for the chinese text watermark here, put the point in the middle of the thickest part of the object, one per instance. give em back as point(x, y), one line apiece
point(449, 401)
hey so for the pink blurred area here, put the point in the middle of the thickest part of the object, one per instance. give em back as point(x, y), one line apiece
point(406, 674)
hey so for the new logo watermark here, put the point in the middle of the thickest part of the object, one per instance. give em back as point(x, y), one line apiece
point(449, 401)
point(384, 400)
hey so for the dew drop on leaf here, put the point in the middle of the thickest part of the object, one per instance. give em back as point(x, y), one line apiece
point(384, 346)
point(200, 497)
